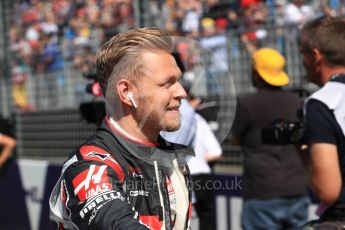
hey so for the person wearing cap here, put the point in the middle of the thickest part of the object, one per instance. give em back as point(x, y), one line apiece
point(274, 189)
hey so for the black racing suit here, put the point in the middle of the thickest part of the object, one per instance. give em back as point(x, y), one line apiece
point(110, 182)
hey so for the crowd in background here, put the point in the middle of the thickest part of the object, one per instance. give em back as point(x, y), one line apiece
point(46, 35)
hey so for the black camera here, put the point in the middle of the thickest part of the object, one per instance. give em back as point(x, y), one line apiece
point(90, 75)
point(282, 132)
point(93, 87)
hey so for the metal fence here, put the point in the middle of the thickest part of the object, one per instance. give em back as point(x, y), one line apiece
point(57, 90)
point(5, 93)
point(50, 135)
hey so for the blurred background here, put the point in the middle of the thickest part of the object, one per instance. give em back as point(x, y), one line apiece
point(49, 95)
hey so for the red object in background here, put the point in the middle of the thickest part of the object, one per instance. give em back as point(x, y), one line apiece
point(248, 3)
point(30, 16)
point(34, 44)
point(94, 88)
point(222, 23)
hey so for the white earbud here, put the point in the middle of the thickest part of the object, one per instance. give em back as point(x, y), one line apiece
point(130, 97)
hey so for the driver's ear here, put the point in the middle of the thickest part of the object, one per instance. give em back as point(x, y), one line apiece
point(125, 93)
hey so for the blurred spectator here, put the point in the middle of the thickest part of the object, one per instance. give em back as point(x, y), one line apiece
point(189, 53)
point(106, 17)
point(253, 17)
point(19, 88)
point(216, 8)
point(68, 36)
point(49, 26)
point(33, 32)
point(189, 13)
point(86, 61)
point(51, 56)
point(327, 9)
point(274, 182)
point(279, 6)
point(297, 12)
point(21, 49)
point(214, 40)
point(233, 19)
point(125, 16)
point(168, 9)
point(214, 46)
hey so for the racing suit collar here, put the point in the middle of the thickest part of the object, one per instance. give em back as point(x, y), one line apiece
point(120, 131)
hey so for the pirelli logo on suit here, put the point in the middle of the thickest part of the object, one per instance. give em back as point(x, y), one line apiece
point(99, 200)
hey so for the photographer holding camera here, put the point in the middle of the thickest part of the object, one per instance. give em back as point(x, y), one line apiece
point(274, 184)
point(323, 49)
